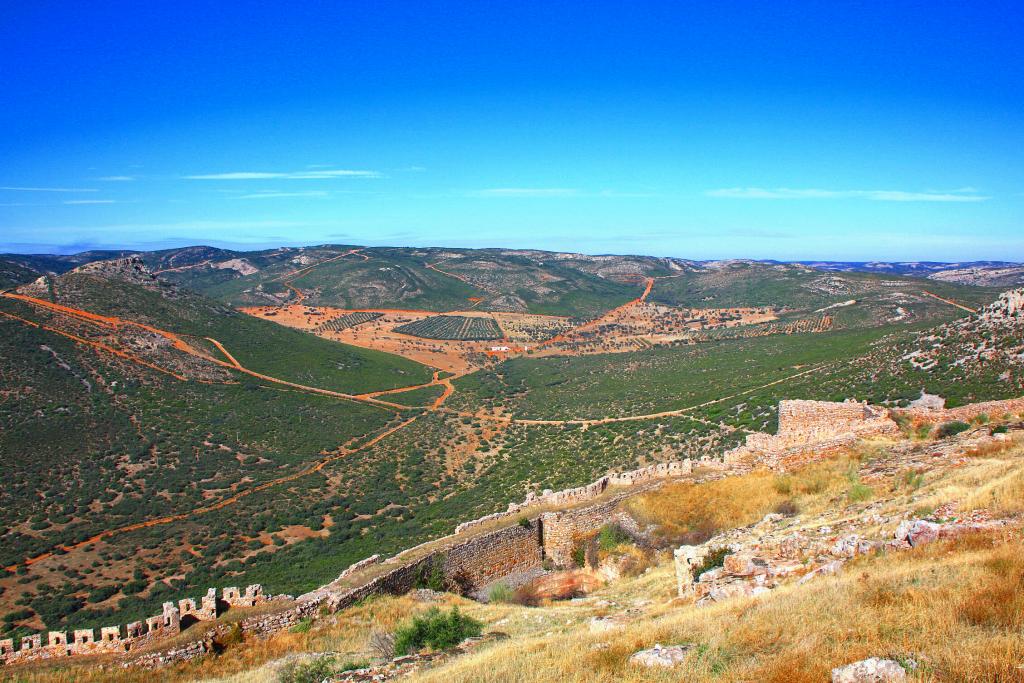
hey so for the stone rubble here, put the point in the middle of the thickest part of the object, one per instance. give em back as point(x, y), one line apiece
point(667, 657)
point(873, 670)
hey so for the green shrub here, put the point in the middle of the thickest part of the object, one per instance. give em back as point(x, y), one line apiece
point(913, 479)
point(316, 670)
point(525, 523)
point(432, 576)
point(436, 630)
point(579, 554)
point(952, 428)
point(859, 492)
point(714, 559)
point(500, 592)
point(303, 626)
point(923, 430)
point(610, 536)
point(1001, 429)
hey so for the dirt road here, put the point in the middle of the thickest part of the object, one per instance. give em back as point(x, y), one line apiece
point(219, 505)
point(949, 301)
point(634, 418)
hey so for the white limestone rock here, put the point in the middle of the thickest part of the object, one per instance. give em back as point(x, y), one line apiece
point(873, 670)
point(666, 657)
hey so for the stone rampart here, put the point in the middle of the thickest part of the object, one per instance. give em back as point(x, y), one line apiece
point(171, 620)
point(964, 413)
point(811, 428)
point(587, 492)
point(562, 531)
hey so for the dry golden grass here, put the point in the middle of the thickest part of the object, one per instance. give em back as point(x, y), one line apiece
point(686, 512)
point(692, 513)
point(1002, 495)
point(956, 606)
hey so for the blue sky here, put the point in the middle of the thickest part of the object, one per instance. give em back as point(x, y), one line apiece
point(843, 131)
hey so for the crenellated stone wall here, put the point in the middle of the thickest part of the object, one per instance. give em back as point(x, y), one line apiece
point(663, 470)
point(171, 620)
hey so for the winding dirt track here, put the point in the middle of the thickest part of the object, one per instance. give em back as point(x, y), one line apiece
point(648, 286)
point(231, 500)
point(949, 301)
point(180, 344)
point(634, 418)
point(434, 267)
point(289, 278)
point(234, 364)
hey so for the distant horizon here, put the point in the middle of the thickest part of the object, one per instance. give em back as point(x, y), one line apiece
point(41, 250)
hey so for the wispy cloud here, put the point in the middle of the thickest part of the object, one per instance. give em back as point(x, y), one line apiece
point(116, 178)
point(48, 189)
point(966, 194)
point(90, 201)
point(277, 195)
point(310, 174)
point(525, 192)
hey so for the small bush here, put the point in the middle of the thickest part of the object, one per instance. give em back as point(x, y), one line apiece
point(952, 428)
point(313, 671)
point(436, 630)
point(579, 554)
point(500, 592)
point(788, 508)
point(303, 626)
point(783, 485)
point(382, 644)
point(913, 479)
point(714, 559)
point(923, 430)
point(1001, 429)
point(432, 577)
point(316, 670)
point(525, 523)
point(611, 536)
point(859, 493)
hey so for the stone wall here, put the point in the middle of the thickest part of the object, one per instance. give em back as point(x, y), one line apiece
point(118, 639)
point(589, 491)
point(803, 417)
point(806, 427)
point(562, 531)
point(964, 413)
point(809, 429)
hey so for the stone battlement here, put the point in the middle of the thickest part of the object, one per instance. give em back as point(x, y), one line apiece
point(811, 425)
point(117, 639)
point(663, 470)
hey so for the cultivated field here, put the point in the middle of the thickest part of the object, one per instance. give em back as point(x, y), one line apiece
point(453, 327)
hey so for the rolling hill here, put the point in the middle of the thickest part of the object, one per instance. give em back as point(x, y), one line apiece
point(179, 443)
